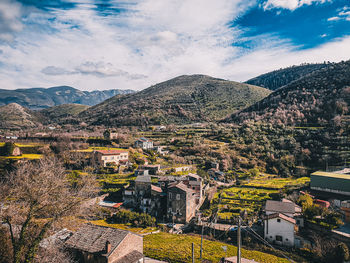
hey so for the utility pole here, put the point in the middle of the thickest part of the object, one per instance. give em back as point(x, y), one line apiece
point(201, 252)
point(192, 252)
point(239, 241)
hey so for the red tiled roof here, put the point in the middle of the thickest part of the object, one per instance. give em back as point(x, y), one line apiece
point(117, 205)
point(156, 188)
point(111, 152)
point(282, 216)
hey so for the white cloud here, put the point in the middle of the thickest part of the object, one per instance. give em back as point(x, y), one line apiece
point(334, 18)
point(154, 41)
point(290, 4)
point(10, 13)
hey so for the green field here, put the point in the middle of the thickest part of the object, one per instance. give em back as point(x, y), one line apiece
point(277, 183)
point(251, 200)
point(177, 248)
point(137, 230)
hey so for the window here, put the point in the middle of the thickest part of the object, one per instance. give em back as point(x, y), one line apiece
point(178, 211)
point(278, 220)
point(286, 239)
point(177, 196)
point(279, 238)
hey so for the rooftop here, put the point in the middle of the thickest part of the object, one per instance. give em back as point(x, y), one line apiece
point(281, 207)
point(181, 186)
point(93, 238)
point(282, 216)
point(143, 179)
point(111, 152)
point(333, 175)
point(156, 188)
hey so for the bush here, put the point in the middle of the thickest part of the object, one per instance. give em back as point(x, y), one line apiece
point(136, 219)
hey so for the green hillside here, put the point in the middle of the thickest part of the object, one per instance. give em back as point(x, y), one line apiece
point(185, 99)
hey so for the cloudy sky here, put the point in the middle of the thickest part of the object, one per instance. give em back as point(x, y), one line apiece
point(132, 44)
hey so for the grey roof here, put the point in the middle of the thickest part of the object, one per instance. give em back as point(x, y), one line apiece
point(143, 179)
point(133, 257)
point(93, 238)
point(280, 207)
point(181, 186)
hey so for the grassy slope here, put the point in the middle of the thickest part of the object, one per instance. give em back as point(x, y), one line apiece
point(177, 248)
point(181, 100)
point(14, 116)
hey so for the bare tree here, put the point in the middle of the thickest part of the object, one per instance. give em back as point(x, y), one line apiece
point(34, 197)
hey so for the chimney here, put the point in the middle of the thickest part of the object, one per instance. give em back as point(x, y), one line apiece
point(108, 246)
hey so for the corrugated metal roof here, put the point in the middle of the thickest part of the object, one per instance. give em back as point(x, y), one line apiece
point(333, 175)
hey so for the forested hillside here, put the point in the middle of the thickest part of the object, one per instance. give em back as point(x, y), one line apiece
point(318, 99)
point(184, 99)
point(281, 77)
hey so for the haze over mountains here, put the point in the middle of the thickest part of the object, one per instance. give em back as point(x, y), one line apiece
point(40, 98)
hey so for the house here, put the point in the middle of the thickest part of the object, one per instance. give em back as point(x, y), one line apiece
point(279, 229)
point(98, 244)
point(183, 168)
point(141, 172)
point(181, 202)
point(285, 207)
point(110, 157)
point(144, 143)
point(152, 169)
point(336, 182)
point(110, 135)
point(160, 150)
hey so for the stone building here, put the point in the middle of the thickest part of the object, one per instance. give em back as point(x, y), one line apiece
point(181, 202)
point(98, 244)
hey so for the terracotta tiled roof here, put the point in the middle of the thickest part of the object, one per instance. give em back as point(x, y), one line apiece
point(282, 216)
point(156, 188)
point(93, 238)
point(111, 152)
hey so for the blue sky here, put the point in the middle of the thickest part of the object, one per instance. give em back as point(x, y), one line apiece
point(132, 44)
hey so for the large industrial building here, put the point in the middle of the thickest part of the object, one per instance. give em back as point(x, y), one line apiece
point(332, 182)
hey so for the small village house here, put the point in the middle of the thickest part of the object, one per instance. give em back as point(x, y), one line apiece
point(279, 229)
point(110, 135)
point(110, 157)
point(98, 244)
point(144, 143)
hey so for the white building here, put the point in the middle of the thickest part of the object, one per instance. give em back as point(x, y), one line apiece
point(113, 157)
point(279, 229)
point(144, 143)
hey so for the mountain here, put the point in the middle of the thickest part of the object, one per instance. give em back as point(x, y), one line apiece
point(14, 116)
point(279, 78)
point(40, 98)
point(185, 99)
point(318, 99)
point(65, 113)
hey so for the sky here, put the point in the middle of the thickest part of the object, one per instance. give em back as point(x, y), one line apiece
point(133, 44)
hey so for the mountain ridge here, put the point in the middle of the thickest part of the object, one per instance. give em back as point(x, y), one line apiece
point(41, 98)
point(184, 99)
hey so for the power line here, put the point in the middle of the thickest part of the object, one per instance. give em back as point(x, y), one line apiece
point(267, 243)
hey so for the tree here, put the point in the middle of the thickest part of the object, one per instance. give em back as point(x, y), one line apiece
point(35, 196)
point(341, 252)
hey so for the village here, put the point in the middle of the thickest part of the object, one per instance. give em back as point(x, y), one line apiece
point(147, 193)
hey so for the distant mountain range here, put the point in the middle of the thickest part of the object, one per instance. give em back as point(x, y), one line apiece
point(40, 98)
point(281, 77)
point(317, 96)
point(317, 99)
point(185, 99)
